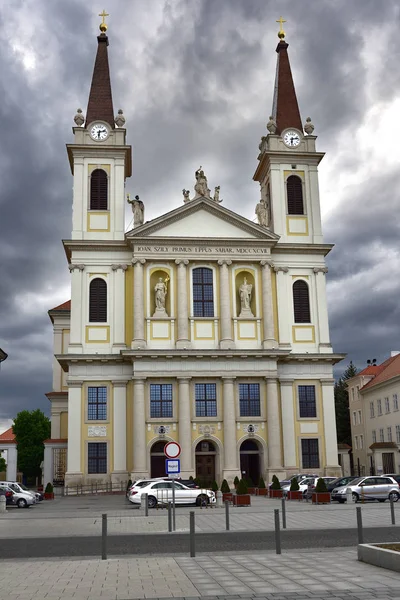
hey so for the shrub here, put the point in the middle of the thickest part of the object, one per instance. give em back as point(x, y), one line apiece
point(261, 483)
point(225, 489)
point(49, 489)
point(191, 478)
point(129, 484)
point(320, 488)
point(214, 486)
point(236, 481)
point(275, 483)
point(196, 481)
point(294, 485)
point(241, 488)
point(249, 481)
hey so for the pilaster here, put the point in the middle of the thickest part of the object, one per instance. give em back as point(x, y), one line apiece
point(226, 341)
point(322, 308)
point(284, 308)
point(231, 467)
point(273, 429)
point(328, 407)
point(75, 338)
point(288, 429)
point(74, 473)
point(119, 472)
point(119, 308)
point(139, 430)
point(138, 304)
point(185, 435)
point(183, 315)
point(269, 340)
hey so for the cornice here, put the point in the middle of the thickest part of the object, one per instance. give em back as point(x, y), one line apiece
point(87, 150)
point(96, 245)
point(307, 248)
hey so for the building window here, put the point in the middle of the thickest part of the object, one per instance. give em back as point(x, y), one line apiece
point(358, 392)
point(249, 399)
point(374, 436)
point(98, 301)
point(355, 442)
point(398, 434)
point(203, 292)
point(381, 435)
point(294, 190)
point(97, 457)
point(301, 302)
point(99, 190)
point(395, 402)
point(379, 403)
point(389, 434)
point(361, 442)
point(354, 417)
point(372, 409)
point(307, 402)
point(97, 403)
point(352, 394)
point(359, 416)
point(160, 400)
point(310, 454)
point(206, 399)
point(387, 405)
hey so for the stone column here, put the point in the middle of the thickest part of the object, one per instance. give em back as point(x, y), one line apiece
point(288, 430)
point(323, 322)
point(269, 336)
point(185, 430)
point(225, 315)
point(273, 429)
point(75, 337)
point(56, 424)
point(231, 468)
point(138, 304)
point(183, 305)
point(74, 474)
point(119, 472)
point(48, 466)
point(285, 316)
point(12, 454)
point(119, 308)
point(139, 430)
point(328, 407)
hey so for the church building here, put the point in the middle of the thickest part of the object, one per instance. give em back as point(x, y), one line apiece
point(199, 326)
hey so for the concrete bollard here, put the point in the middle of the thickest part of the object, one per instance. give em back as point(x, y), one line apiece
point(2, 504)
point(219, 499)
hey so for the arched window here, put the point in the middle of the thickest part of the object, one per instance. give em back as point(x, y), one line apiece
point(294, 190)
point(301, 302)
point(98, 301)
point(98, 190)
point(203, 293)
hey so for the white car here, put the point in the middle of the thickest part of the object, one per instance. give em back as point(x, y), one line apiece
point(21, 499)
point(19, 488)
point(160, 492)
point(377, 487)
point(307, 485)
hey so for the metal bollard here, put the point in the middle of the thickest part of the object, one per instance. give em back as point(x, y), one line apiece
point(392, 511)
point(169, 517)
point(277, 532)
point(283, 513)
point(227, 515)
point(104, 537)
point(192, 538)
point(146, 505)
point(359, 525)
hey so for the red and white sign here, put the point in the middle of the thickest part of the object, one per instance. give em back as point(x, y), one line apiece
point(172, 450)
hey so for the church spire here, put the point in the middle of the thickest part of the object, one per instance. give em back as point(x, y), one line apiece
point(100, 105)
point(285, 109)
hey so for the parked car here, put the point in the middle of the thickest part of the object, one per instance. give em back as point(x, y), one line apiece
point(307, 485)
point(395, 477)
point(19, 487)
point(187, 482)
point(379, 488)
point(21, 499)
point(299, 477)
point(159, 491)
point(340, 481)
point(8, 494)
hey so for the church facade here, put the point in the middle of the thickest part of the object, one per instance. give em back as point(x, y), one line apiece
point(200, 326)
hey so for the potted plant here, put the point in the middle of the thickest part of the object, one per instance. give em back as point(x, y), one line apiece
point(294, 493)
point(321, 494)
point(250, 486)
point(226, 491)
point(276, 490)
point(49, 492)
point(241, 498)
point(214, 486)
point(236, 481)
point(262, 489)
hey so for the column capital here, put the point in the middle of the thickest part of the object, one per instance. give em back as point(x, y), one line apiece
point(117, 267)
point(138, 261)
point(72, 384)
point(76, 268)
point(322, 270)
point(120, 383)
point(182, 262)
point(288, 382)
point(327, 382)
point(228, 379)
point(183, 379)
point(282, 269)
point(267, 263)
point(272, 378)
point(224, 261)
point(139, 380)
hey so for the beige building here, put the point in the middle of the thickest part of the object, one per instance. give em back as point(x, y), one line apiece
point(374, 396)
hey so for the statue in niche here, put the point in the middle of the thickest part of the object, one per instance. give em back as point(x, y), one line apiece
point(245, 291)
point(160, 295)
point(201, 186)
point(262, 212)
point(137, 209)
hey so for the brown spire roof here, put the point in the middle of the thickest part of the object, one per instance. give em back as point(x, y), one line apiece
point(285, 109)
point(100, 106)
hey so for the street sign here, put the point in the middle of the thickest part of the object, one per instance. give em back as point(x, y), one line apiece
point(172, 450)
point(172, 466)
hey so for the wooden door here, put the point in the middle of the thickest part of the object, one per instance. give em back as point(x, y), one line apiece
point(205, 468)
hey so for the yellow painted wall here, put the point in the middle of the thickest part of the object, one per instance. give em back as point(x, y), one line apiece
point(109, 438)
point(318, 421)
point(64, 425)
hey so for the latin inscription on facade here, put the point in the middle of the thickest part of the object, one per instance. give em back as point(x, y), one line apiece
point(201, 250)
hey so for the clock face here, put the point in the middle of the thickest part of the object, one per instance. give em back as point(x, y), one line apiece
point(99, 132)
point(291, 139)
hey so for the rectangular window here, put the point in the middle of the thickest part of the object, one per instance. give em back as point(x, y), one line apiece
point(372, 409)
point(249, 399)
point(398, 434)
point(379, 403)
point(206, 399)
point(352, 394)
point(97, 403)
point(203, 294)
point(381, 435)
point(355, 442)
point(387, 405)
point(389, 434)
point(359, 417)
point(374, 436)
point(395, 402)
point(307, 403)
point(361, 440)
point(160, 400)
point(310, 454)
point(354, 418)
point(358, 392)
point(97, 457)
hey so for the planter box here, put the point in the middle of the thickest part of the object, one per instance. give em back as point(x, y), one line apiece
point(253, 491)
point(380, 556)
point(49, 496)
point(241, 500)
point(262, 491)
point(321, 498)
point(298, 495)
point(227, 497)
point(276, 493)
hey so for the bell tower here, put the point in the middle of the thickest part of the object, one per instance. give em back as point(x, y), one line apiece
point(100, 159)
point(288, 162)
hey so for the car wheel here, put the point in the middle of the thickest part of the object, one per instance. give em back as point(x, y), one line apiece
point(341, 501)
point(381, 499)
point(393, 496)
point(151, 501)
point(202, 500)
point(355, 497)
point(22, 503)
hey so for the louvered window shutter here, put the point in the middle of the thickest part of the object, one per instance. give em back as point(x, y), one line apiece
point(301, 302)
point(98, 301)
point(99, 190)
point(294, 189)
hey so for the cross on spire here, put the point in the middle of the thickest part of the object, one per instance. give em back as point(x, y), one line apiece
point(103, 24)
point(281, 33)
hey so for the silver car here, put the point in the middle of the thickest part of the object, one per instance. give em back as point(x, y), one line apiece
point(375, 487)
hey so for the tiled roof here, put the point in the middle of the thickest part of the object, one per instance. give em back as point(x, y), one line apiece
point(377, 445)
point(56, 394)
point(64, 306)
point(388, 369)
point(344, 447)
point(7, 436)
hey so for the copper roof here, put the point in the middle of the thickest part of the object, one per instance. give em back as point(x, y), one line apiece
point(100, 105)
point(285, 108)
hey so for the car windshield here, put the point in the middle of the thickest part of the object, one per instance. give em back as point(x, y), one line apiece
point(21, 485)
point(356, 481)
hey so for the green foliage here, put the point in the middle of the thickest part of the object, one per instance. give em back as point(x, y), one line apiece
point(49, 488)
point(321, 486)
point(225, 489)
point(249, 481)
point(129, 484)
point(31, 428)
point(236, 481)
point(191, 478)
point(294, 485)
point(342, 411)
point(261, 483)
point(241, 487)
point(196, 481)
point(275, 483)
point(214, 486)
point(3, 465)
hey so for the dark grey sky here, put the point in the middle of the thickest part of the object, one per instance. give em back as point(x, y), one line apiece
point(195, 79)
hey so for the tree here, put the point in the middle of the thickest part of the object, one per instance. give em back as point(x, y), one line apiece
point(343, 427)
point(31, 428)
point(3, 465)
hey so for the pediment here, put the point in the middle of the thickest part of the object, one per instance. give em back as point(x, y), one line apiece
point(202, 218)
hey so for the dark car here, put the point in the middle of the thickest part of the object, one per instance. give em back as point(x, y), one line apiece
point(340, 482)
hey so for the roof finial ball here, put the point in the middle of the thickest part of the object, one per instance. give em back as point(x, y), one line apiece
point(103, 24)
point(79, 118)
point(281, 33)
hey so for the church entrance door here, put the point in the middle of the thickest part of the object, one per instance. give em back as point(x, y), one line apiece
point(205, 462)
point(250, 461)
point(157, 460)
